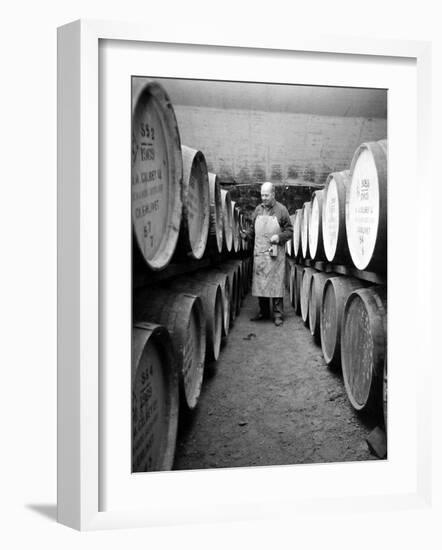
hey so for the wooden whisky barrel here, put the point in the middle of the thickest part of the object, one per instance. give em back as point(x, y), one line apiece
point(235, 226)
point(315, 241)
point(234, 290)
point(215, 239)
point(317, 284)
point(157, 174)
point(243, 227)
point(289, 243)
point(223, 280)
point(211, 298)
point(226, 207)
point(305, 219)
point(196, 205)
point(236, 265)
point(366, 207)
point(363, 346)
point(334, 234)
point(335, 293)
point(288, 248)
point(155, 399)
point(297, 233)
point(305, 292)
point(183, 316)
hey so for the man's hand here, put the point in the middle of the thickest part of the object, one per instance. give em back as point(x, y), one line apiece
point(274, 239)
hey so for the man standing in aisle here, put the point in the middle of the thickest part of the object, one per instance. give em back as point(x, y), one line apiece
point(272, 228)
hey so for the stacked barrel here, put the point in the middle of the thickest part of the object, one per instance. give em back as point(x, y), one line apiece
point(181, 216)
point(338, 273)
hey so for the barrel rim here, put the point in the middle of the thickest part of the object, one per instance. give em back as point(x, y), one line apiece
point(168, 119)
point(316, 252)
point(364, 294)
point(315, 316)
point(217, 209)
point(227, 218)
point(296, 241)
point(210, 304)
point(304, 242)
point(341, 251)
point(190, 302)
point(307, 272)
point(378, 152)
point(329, 358)
point(235, 226)
point(197, 308)
point(166, 350)
point(197, 249)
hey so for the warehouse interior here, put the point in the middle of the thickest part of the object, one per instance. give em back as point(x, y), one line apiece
point(268, 396)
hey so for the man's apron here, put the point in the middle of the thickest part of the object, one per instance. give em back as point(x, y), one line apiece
point(268, 271)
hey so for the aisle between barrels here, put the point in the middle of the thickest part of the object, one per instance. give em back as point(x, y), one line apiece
point(270, 399)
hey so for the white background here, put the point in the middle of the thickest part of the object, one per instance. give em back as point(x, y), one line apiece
point(28, 274)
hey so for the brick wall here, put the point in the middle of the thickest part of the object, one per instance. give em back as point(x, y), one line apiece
point(254, 146)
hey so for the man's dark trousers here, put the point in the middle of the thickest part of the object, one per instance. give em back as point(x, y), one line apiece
point(278, 307)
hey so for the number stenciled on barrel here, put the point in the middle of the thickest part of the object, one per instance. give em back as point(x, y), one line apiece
point(147, 153)
point(147, 130)
point(150, 180)
point(145, 416)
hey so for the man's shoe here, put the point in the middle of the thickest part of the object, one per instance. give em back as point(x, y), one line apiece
point(259, 317)
point(278, 321)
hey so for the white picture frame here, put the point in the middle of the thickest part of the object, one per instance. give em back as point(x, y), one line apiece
point(81, 295)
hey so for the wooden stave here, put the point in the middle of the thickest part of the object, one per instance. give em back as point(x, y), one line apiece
point(288, 248)
point(236, 265)
point(305, 252)
point(376, 297)
point(215, 239)
point(233, 279)
point(318, 253)
point(175, 172)
point(194, 160)
point(297, 233)
point(141, 335)
point(211, 298)
point(317, 284)
point(379, 151)
point(174, 310)
point(235, 226)
point(223, 279)
point(289, 243)
point(305, 292)
point(226, 206)
point(342, 288)
point(342, 253)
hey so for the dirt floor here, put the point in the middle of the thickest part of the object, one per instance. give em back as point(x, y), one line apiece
point(270, 399)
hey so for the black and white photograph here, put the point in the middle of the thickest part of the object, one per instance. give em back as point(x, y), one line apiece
point(259, 274)
point(217, 198)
